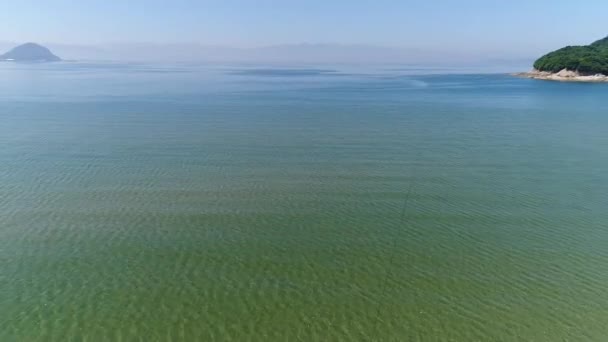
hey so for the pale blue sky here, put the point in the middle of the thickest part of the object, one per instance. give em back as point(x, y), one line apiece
point(524, 27)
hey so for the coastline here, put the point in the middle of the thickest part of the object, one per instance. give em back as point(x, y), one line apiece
point(563, 76)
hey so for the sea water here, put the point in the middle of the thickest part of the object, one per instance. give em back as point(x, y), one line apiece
point(230, 203)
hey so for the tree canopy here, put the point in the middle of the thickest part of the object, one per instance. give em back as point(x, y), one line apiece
point(588, 59)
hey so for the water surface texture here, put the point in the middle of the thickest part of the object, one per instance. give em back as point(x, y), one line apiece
point(160, 203)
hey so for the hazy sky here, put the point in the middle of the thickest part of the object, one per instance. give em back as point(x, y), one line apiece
point(521, 27)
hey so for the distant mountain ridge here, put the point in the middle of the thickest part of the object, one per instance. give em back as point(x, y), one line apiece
point(30, 52)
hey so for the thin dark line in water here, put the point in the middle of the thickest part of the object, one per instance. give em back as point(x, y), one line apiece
point(391, 261)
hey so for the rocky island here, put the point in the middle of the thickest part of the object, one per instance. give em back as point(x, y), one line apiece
point(30, 52)
point(588, 63)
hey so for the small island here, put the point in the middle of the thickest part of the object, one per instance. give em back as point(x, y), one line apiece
point(588, 63)
point(30, 52)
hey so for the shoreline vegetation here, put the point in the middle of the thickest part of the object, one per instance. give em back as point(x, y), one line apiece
point(588, 63)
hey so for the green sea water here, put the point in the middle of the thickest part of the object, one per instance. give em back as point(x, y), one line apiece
point(189, 203)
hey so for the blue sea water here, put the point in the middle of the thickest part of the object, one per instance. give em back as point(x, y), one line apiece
point(188, 202)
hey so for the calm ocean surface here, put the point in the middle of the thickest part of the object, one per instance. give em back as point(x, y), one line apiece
point(160, 203)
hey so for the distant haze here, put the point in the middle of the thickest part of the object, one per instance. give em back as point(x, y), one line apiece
point(288, 54)
point(313, 31)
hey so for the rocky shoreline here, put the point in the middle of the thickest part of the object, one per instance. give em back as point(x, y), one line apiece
point(563, 76)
